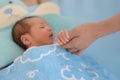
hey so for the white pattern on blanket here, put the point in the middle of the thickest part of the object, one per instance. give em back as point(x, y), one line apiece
point(52, 62)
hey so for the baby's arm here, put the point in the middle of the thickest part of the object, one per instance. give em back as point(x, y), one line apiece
point(63, 37)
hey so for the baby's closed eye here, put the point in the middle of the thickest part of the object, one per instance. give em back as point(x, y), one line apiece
point(41, 26)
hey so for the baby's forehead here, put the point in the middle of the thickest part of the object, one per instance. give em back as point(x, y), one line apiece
point(36, 20)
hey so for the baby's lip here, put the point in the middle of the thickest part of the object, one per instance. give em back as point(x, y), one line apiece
point(52, 34)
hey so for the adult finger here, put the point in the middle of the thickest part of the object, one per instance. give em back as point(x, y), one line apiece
point(79, 52)
point(73, 49)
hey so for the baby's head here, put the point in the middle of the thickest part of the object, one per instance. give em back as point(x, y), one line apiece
point(32, 31)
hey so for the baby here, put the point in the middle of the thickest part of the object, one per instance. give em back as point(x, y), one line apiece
point(35, 31)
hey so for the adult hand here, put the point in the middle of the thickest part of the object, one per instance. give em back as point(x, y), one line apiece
point(84, 35)
point(81, 37)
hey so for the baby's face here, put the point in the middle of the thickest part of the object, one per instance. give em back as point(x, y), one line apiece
point(40, 32)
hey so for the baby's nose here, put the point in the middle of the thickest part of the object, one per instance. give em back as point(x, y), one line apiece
point(49, 28)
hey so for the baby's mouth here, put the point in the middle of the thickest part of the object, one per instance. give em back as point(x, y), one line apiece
point(51, 35)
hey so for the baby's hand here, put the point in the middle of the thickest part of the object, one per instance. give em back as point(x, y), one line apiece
point(63, 37)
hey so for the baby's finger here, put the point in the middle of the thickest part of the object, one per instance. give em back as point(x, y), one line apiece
point(67, 34)
point(64, 36)
point(61, 37)
point(59, 40)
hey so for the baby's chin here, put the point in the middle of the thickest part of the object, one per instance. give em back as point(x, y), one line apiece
point(51, 42)
point(48, 43)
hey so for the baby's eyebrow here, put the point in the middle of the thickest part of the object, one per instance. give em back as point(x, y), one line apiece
point(41, 24)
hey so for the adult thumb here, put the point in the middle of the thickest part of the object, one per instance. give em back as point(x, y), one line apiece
point(73, 34)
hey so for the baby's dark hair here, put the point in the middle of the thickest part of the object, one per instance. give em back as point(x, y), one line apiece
point(20, 28)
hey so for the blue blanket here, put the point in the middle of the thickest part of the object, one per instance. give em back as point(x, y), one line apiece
point(52, 62)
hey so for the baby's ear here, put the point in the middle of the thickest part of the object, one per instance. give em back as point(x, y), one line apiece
point(26, 40)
